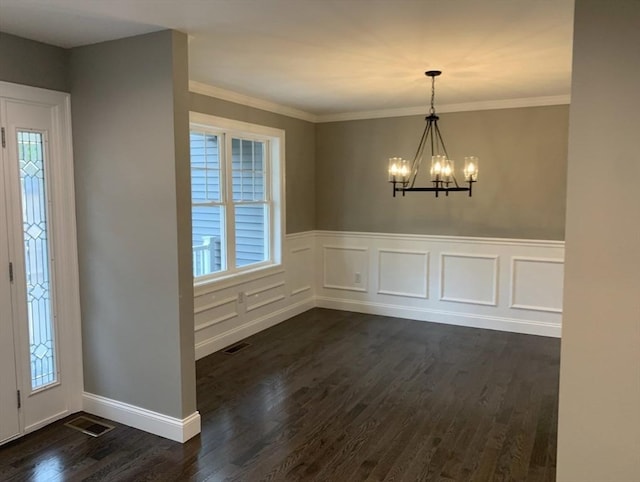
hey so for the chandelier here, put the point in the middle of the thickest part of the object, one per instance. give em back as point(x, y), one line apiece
point(403, 174)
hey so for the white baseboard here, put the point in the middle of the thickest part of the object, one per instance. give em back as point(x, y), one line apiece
point(216, 343)
point(47, 421)
point(446, 317)
point(156, 423)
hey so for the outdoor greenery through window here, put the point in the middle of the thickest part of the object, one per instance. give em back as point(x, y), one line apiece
point(232, 202)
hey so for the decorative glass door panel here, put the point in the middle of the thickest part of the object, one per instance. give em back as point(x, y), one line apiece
point(31, 158)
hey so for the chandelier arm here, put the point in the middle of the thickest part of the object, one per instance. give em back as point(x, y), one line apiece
point(441, 141)
point(455, 181)
point(431, 122)
point(444, 149)
point(417, 160)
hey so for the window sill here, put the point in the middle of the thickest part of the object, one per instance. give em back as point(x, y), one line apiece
point(204, 287)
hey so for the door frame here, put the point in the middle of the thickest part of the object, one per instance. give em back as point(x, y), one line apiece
point(64, 247)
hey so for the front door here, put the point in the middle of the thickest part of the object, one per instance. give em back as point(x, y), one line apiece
point(38, 290)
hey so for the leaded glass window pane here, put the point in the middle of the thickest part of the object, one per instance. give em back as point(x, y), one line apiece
point(36, 255)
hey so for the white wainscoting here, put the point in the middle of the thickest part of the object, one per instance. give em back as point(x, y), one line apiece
point(503, 284)
point(500, 284)
point(227, 311)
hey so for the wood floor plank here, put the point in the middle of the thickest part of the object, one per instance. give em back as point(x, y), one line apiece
point(337, 396)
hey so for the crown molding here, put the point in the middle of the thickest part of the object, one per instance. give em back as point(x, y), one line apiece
point(228, 95)
point(464, 107)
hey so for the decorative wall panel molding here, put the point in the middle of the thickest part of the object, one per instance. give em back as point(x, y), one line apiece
point(216, 320)
point(213, 305)
point(300, 261)
point(536, 283)
point(469, 278)
point(345, 268)
point(225, 309)
point(265, 295)
point(403, 272)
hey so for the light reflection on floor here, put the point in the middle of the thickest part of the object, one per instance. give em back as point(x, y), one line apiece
point(48, 470)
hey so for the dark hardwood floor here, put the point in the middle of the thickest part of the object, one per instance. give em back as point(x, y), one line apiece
point(337, 396)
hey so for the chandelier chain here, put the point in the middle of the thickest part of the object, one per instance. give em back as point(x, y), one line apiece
point(432, 110)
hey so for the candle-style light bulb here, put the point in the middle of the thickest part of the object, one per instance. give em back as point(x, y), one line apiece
point(394, 168)
point(471, 165)
point(438, 166)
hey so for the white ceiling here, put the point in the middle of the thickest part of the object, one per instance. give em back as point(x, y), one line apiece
point(328, 57)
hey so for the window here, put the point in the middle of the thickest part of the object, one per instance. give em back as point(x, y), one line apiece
point(237, 208)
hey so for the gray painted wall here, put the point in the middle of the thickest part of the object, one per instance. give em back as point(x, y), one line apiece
point(28, 62)
point(300, 140)
point(183, 219)
point(599, 417)
point(521, 188)
point(131, 173)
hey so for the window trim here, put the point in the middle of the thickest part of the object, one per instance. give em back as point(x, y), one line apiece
point(275, 172)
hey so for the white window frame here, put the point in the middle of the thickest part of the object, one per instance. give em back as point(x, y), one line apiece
point(274, 189)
